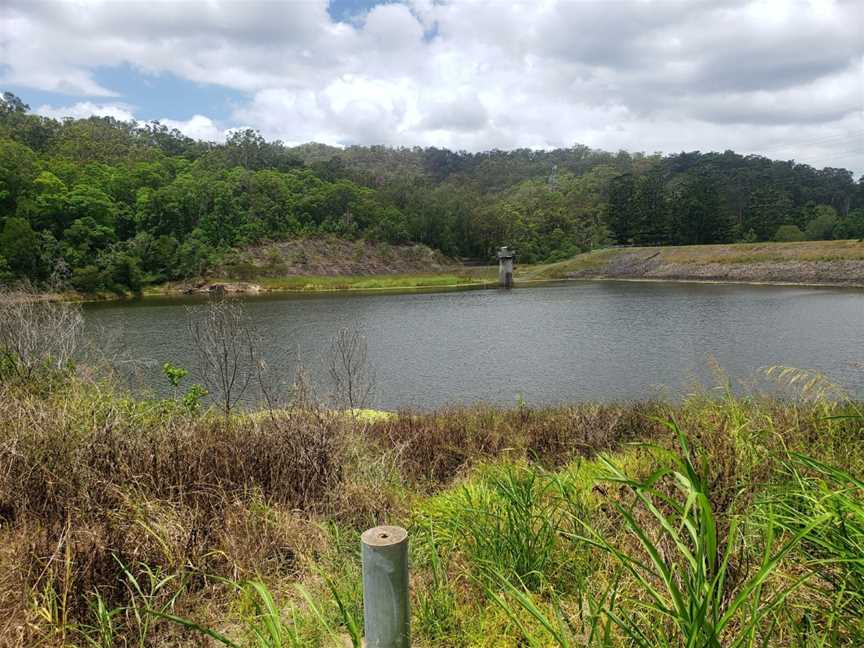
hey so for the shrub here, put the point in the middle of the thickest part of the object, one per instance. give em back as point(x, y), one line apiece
point(821, 228)
point(788, 233)
point(87, 279)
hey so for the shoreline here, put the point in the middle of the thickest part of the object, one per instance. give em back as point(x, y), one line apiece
point(811, 264)
point(717, 282)
point(492, 285)
point(484, 285)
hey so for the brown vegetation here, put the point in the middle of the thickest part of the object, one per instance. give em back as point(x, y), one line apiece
point(330, 256)
point(93, 480)
point(96, 487)
point(838, 263)
point(434, 448)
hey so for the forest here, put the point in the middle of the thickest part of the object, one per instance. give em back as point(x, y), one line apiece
point(102, 205)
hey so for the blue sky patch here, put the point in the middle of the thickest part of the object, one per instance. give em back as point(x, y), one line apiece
point(151, 96)
point(346, 10)
point(163, 95)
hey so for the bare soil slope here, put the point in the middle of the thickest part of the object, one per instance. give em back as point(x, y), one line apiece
point(331, 257)
point(326, 263)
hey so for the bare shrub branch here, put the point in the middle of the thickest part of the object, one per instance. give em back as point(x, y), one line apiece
point(226, 350)
point(302, 393)
point(347, 365)
point(36, 333)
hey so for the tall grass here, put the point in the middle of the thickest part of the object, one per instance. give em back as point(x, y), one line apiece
point(507, 519)
point(689, 586)
point(683, 570)
point(591, 626)
point(138, 523)
point(435, 604)
point(833, 551)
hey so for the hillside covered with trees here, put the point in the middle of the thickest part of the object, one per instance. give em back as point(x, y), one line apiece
point(99, 204)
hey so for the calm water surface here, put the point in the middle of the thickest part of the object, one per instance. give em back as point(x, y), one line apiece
point(579, 341)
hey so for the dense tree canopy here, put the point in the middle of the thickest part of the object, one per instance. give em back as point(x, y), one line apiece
point(102, 204)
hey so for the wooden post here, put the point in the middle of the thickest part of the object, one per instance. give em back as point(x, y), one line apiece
point(386, 614)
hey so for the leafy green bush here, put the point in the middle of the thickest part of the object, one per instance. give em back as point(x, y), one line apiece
point(821, 228)
point(87, 279)
point(789, 233)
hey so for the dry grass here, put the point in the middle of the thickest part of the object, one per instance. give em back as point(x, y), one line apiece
point(804, 262)
point(434, 448)
point(99, 491)
point(93, 479)
point(90, 478)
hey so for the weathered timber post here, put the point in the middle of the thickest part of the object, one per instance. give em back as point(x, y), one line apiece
point(505, 266)
point(386, 615)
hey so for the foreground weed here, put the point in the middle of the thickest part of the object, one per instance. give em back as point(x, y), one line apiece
point(349, 620)
point(145, 592)
point(148, 594)
point(102, 633)
point(835, 550)
point(683, 574)
point(435, 605)
point(509, 519)
point(591, 627)
point(53, 606)
point(265, 624)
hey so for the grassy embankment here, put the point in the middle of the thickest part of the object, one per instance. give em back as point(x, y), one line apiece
point(741, 524)
point(809, 262)
point(461, 279)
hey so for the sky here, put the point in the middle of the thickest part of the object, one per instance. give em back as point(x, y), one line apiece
point(783, 79)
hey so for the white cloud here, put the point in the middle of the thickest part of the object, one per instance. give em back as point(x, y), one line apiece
point(83, 109)
point(391, 28)
point(197, 127)
point(462, 111)
point(639, 75)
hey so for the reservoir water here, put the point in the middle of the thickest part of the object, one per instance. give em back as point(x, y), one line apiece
point(578, 341)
